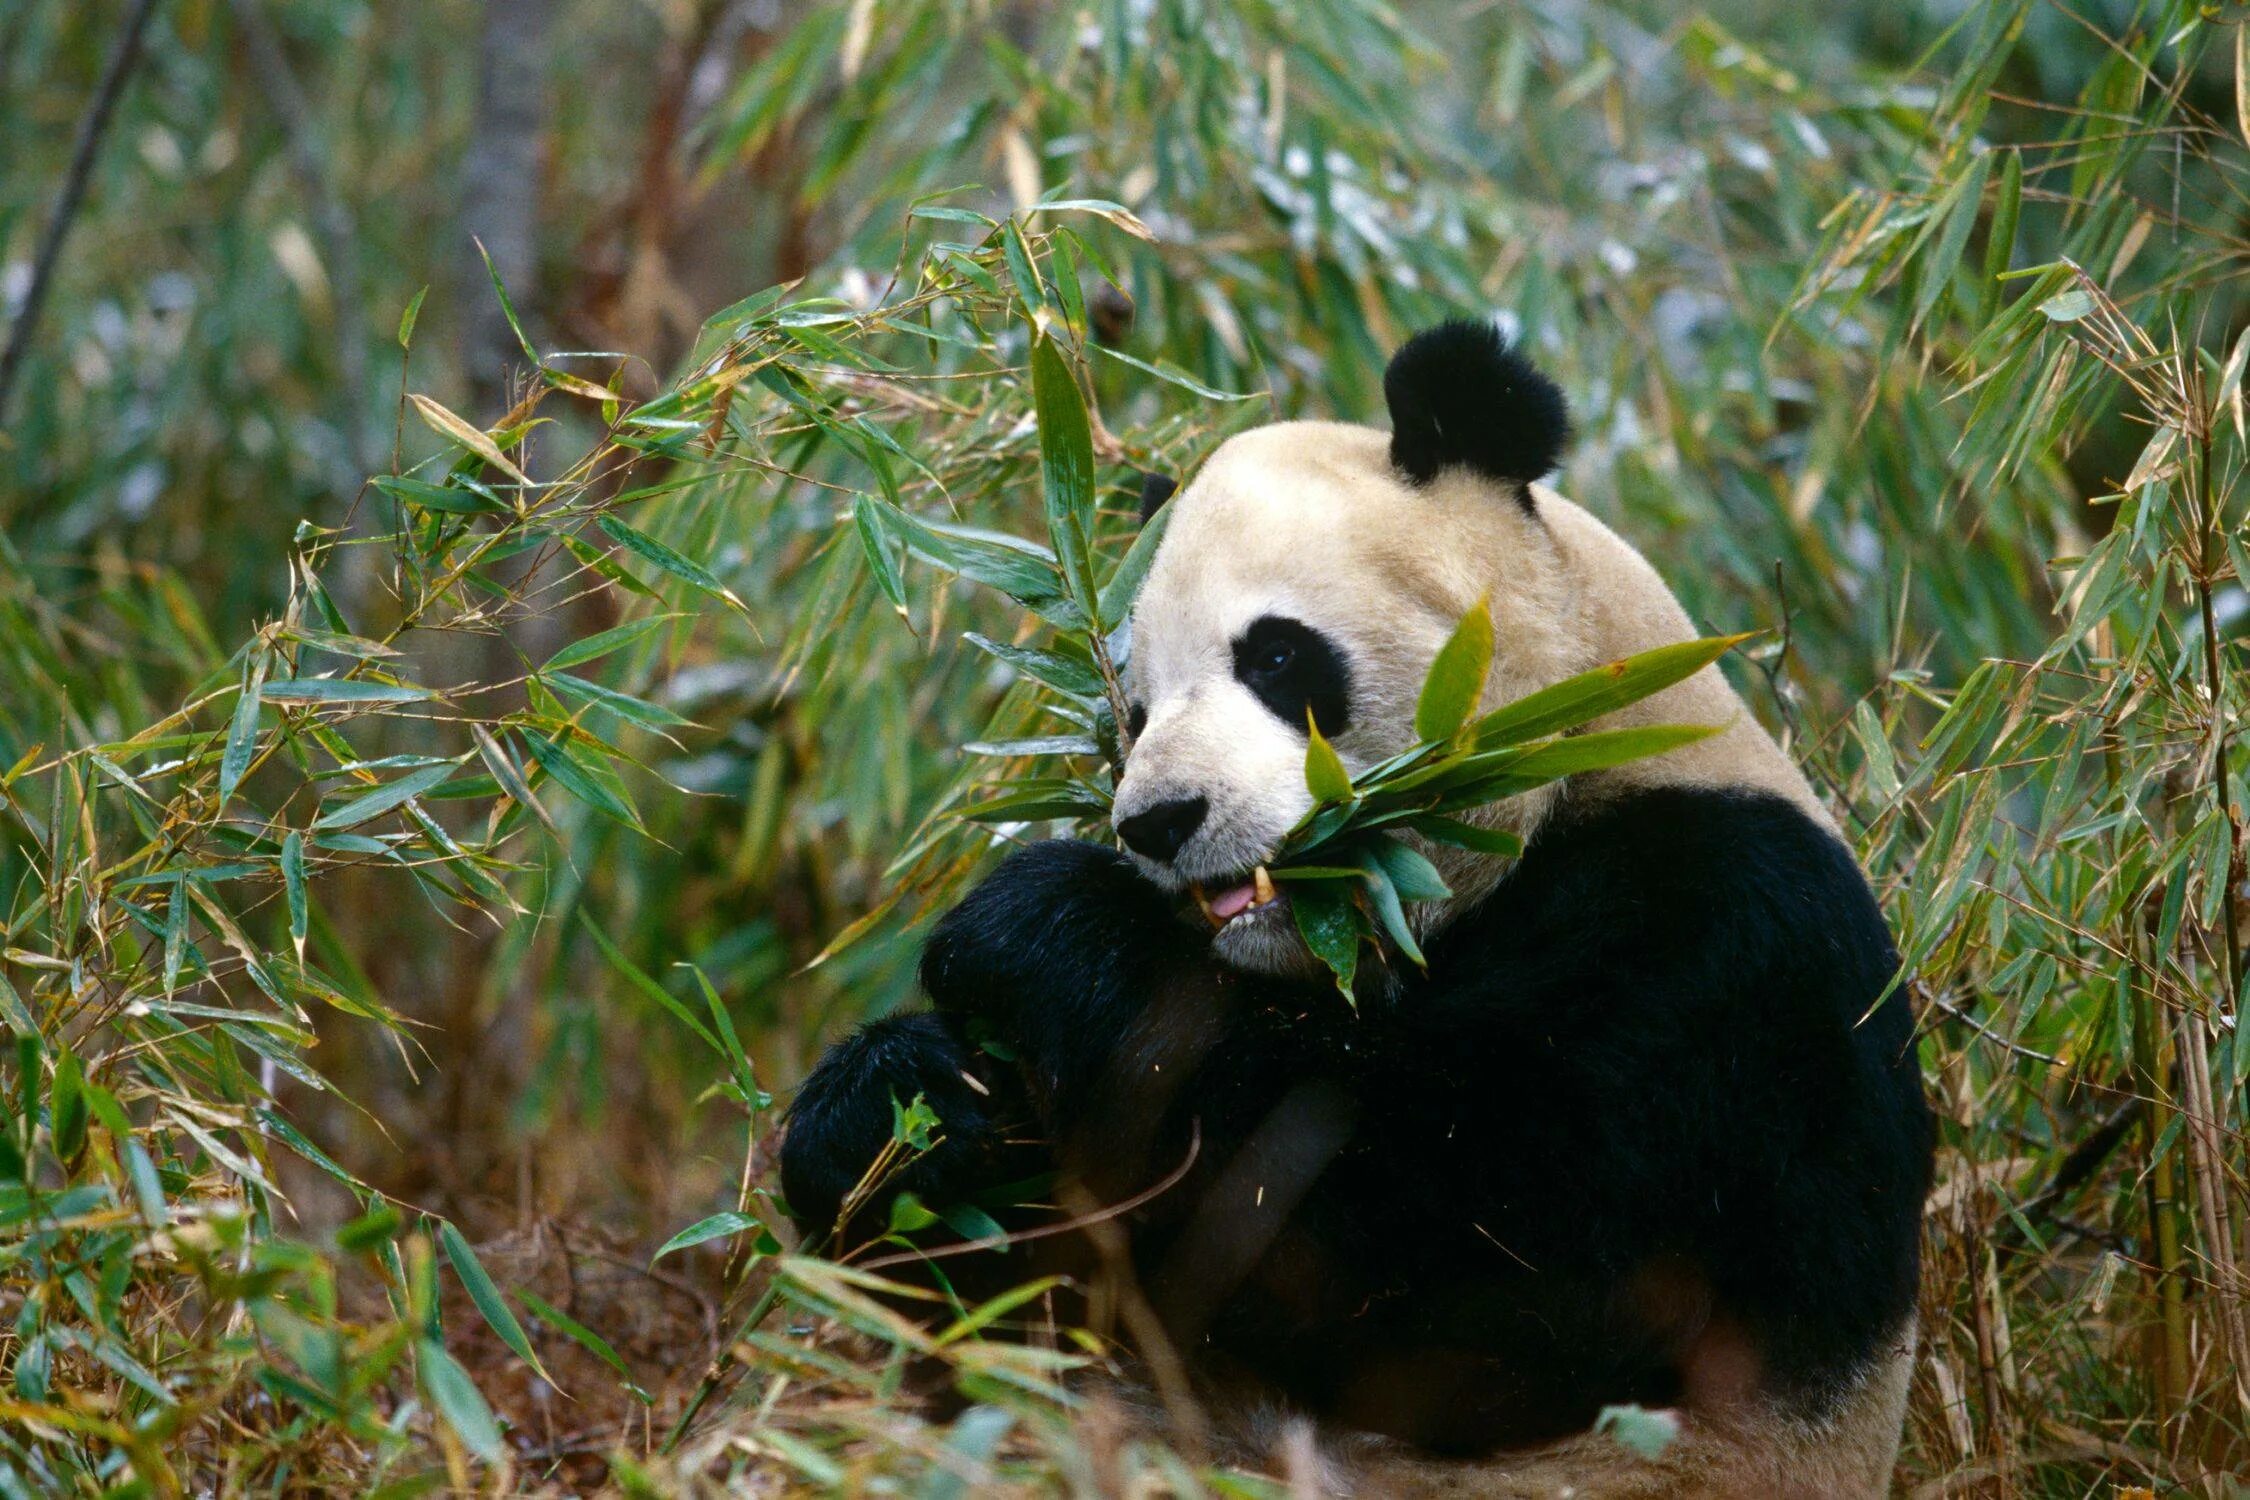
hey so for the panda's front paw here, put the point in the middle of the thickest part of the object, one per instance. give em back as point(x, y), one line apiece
point(846, 1114)
point(1050, 922)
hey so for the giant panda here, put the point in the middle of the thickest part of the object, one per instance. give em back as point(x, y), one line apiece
point(1648, 1130)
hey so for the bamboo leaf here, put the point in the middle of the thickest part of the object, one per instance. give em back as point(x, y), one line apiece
point(574, 776)
point(1323, 914)
point(293, 886)
point(407, 319)
point(1066, 460)
point(383, 799)
point(479, 1285)
point(600, 644)
point(579, 1334)
point(1589, 695)
point(446, 424)
point(686, 569)
point(242, 730)
point(341, 690)
point(704, 1230)
point(456, 1398)
point(1325, 776)
point(1456, 677)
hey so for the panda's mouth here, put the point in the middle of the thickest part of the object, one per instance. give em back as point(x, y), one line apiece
point(1227, 901)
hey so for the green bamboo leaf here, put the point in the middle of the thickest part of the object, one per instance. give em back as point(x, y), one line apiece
point(707, 1229)
point(175, 934)
point(1604, 749)
point(1124, 585)
point(686, 569)
point(578, 653)
point(242, 730)
point(1066, 457)
point(507, 306)
point(1325, 776)
point(1024, 571)
point(1323, 914)
point(579, 1334)
point(2000, 239)
point(574, 776)
point(1063, 673)
point(875, 544)
point(486, 1296)
point(341, 690)
point(1048, 744)
point(1589, 695)
point(383, 799)
point(407, 319)
point(1461, 835)
point(293, 887)
point(1963, 202)
point(1383, 898)
point(661, 997)
point(1411, 875)
point(738, 1059)
point(1037, 800)
point(66, 1107)
point(1172, 374)
point(148, 1187)
point(1029, 289)
point(439, 497)
point(455, 1398)
point(508, 776)
point(1647, 1433)
point(1456, 677)
point(634, 710)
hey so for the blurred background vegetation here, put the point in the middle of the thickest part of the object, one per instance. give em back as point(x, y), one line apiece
point(415, 891)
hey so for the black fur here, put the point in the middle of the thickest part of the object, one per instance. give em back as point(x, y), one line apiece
point(843, 1117)
point(1155, 490)
point(1460, 395)
point(1295, 670)
point(1630, 1139)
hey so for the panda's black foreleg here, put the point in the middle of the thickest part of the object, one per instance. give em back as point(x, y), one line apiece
point(1060, 953)
point(849, 1152)
point(1038, 977)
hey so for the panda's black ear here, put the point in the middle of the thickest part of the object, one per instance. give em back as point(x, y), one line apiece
point(1461, 395)
point(1155, 490)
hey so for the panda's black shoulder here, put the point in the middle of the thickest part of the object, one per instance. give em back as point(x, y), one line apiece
point(1696, 867)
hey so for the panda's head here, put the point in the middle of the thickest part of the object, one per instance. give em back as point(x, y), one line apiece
point(1311, 571)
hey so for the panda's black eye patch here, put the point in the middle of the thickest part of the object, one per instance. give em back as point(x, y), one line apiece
point(1136, 719)
point(1295, 671)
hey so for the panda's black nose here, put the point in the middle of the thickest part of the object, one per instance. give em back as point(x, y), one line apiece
point(1159, 832)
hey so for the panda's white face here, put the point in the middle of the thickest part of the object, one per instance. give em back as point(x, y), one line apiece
point(1301, 576)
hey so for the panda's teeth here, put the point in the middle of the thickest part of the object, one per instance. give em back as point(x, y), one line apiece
point(1262, 884)
point(1203, 904)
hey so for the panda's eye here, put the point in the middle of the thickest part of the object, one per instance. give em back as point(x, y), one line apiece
point(1136, 720)
point(1295, 671)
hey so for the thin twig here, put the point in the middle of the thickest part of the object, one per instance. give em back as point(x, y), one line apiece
point(92, 127)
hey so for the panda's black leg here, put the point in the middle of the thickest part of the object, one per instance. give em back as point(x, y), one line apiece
point(847, 1154)
point(1060, 952)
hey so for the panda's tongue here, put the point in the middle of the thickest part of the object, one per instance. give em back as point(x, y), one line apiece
point(1223, 906)
point(1231, 902)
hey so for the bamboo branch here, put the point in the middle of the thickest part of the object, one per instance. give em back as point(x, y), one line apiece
point(92, 127)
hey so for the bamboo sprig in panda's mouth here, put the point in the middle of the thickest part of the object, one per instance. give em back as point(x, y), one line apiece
point(1241, 898)
point(1349, 874)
